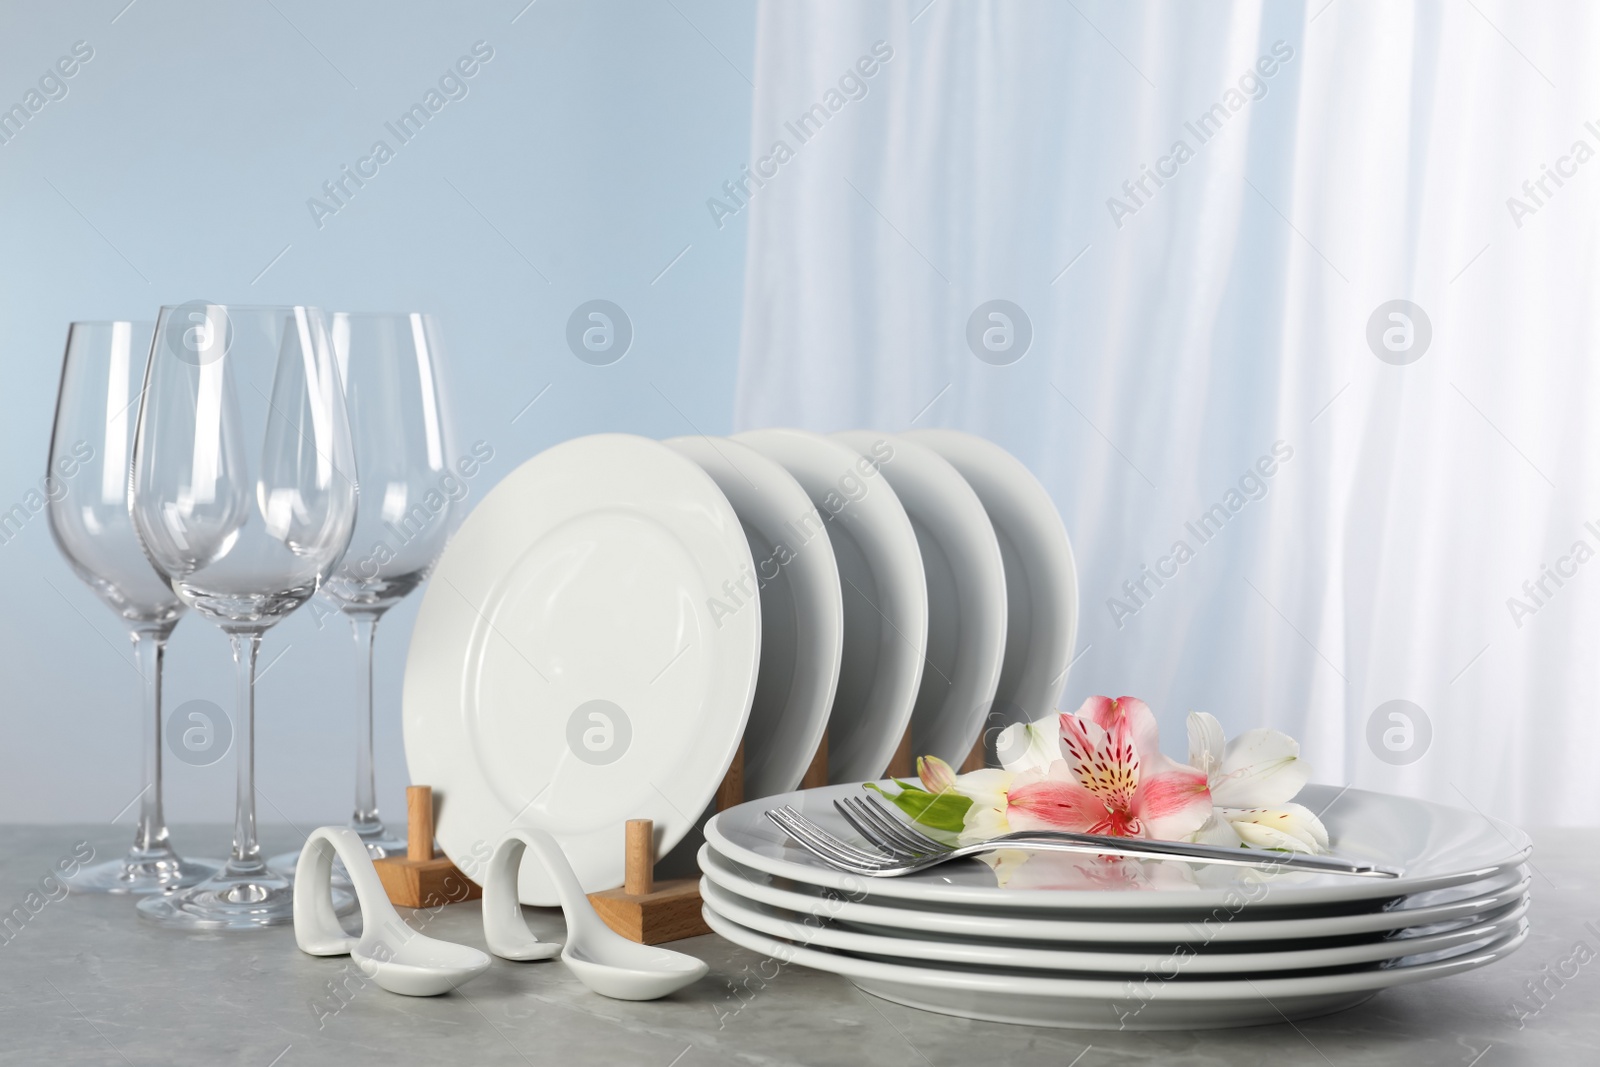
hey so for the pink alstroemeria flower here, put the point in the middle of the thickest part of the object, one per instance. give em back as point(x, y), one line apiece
point(1111, 779)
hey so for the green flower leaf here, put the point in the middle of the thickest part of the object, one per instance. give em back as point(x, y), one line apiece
point(941, 811)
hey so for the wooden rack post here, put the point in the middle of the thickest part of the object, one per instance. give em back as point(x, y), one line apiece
point(816, 775)
point(902, 764)
point(651, 912)
point(423, 879)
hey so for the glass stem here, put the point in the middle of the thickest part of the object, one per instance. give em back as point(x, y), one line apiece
point(246, 858)
point(149, 649)
point(365, 820)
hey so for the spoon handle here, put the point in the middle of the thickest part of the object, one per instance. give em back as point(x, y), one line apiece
point(316, 927)
point(504, 928)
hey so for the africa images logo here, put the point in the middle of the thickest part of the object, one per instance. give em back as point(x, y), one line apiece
point(52, 87)
point(999, 332)
point(599, 332)
point(1250, 87)
point(452, 85)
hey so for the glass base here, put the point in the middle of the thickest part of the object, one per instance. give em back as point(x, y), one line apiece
point(141, 871)
point(383, 844)
point(233, 901)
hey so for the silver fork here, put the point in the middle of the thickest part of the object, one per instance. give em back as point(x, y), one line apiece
point(905, 841)
point(902, 849)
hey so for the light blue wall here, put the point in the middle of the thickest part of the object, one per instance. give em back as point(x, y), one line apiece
point(178, 165)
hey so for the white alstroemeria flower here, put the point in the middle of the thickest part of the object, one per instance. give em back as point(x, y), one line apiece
point(1259, 768)
point(1293, 827)
point(1252, 780)
point(987, 789)
point(1030, 746)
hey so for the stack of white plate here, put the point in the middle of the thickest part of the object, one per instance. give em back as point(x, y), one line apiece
point(1124, 944)
point(618, 614)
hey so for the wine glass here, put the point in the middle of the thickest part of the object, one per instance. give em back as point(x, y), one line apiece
point(87, 478)
point(395, 394)
point(244, 498)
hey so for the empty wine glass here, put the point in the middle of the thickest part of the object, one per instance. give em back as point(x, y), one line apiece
point(394, 390)
point(244, 497)
point(87, 479)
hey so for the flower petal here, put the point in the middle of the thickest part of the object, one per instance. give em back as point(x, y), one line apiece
point(986, 785)
point(986, 817)
point(1172, 804)
point(1128, 713)
point(1105, 762)
point(1260, 769)
point(1055, 801)
point(982, 823)
point(1097, 710)
point(1216, 831)
point(1257, 835)
point(1206, 743)
point(1030, 746)
point(1293, 827)
point(937, 776)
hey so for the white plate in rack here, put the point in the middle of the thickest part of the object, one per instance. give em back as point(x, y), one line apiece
point(1041, 576)
point(885, 595)
point(966, 593)
point(566, 671)
point(802, 610)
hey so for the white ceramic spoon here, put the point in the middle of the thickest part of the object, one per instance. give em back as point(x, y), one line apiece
point(605, 961)
point(397, 957)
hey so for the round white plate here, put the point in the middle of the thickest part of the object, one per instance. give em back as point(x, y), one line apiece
point(1434, 845)
point(885, 595)
point(802, 610)
point(966, 594)
point(1150, 1003)
point(1217, 926)
point(810, 930)
point(1041, 577)
point(565, 670)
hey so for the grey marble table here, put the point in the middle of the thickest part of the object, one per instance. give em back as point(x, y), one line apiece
point(84, 981)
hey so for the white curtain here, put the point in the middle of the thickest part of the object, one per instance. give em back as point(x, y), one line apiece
point(1182, 331)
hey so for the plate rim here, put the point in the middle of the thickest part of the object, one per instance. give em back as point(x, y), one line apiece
point(1090, 929)
point(1199, 990)
point(734, 908)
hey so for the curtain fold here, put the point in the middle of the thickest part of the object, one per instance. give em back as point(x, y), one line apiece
point(1225, 319)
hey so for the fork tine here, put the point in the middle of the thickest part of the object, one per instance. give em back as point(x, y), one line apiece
point(906, 829)
point(836, 852)
point(824, 845)
point(869, 829)
point(891, 828)
point(883, 830)
point(817, 848)
point(865, 855)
